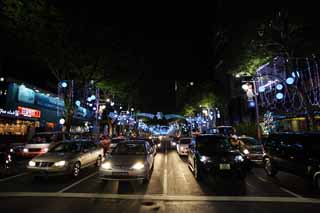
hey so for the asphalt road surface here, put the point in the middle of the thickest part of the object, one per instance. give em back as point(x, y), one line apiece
point(172, 188)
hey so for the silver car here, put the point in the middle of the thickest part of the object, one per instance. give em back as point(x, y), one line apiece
point(183, 146)
point(67, 157)
point(129, 160)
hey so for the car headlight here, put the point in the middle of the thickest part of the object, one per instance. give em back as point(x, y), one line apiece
point(174, 143)
point(60, 163)
point(205, 159)
point(45, 150)
point(246, 152)
point(138, 166)
point(159, 144)
point(238, 158)
point(32, 163)
point(11, 150)
point(106, 165)
point(25, 150)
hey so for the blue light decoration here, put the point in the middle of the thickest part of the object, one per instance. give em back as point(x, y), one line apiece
point(64, 84)
point(289, 80)
point(279, 87)
point(294, 75)
point(279, 95)
point(89, 99)
point(251, 104)
point(78, 103)
point(262, 89)
point(93, 97)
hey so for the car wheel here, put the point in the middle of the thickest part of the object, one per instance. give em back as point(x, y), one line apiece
point(147, 177)
point(269, 168)
point(98, 162)
point(196, 171)
point(76, 169)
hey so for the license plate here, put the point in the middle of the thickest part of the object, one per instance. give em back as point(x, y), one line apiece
point(224, 166)
point(120, 173)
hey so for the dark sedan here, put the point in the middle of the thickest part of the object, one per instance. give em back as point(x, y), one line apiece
point(213, 155)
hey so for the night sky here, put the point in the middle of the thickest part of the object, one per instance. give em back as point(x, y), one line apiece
point(167, 45)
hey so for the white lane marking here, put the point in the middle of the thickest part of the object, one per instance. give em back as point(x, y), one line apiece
point(163, 197)
point(76, 183)
point(290, 192)
point(165, 174)
point(11, 177)
point(262, 179)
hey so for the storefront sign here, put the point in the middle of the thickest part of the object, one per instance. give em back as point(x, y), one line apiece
point(26, 95)
point(48, 101)
point(9, 112)
point(28, 112)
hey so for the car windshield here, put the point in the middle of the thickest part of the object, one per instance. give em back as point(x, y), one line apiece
point(129, 149)
point(117, 140)
point(207, 144)
point(185, 141)
point(250, 141)
point(67, 147)
point(44, 138)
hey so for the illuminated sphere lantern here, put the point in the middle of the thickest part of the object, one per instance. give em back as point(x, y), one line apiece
point(279, 96)
point(279, 87)
point(62, 121)
point(289, 80)
point(245, 87)
point(262, 89)
point(64, 84)
point(78, 103)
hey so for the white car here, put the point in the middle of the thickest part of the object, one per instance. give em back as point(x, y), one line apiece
point(41, 143)
point(183, 146)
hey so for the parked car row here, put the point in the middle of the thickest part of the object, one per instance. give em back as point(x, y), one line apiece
point(216, 154)
point(295, 153)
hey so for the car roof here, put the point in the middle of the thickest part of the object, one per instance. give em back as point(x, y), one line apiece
point(47, 133)
point(212, 135)
point(224, 126)
point(135, 141)
point(185, 138)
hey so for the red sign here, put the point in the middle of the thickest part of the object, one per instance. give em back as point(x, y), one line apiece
point(28, 112)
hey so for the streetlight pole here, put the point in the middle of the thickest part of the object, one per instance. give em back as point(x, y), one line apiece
point(257, 110)
point(255, 98)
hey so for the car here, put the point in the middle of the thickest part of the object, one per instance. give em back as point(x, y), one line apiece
point(66, 158)
point(129, 160)
point(226, 130)
point(173, 143)
point(253, 149)
point(150, 141)
point(158, 144)
point(40, 143)
point(295, 153)
point(114, 142)
point(183, 146)
point(153, 145)
point(212, 155)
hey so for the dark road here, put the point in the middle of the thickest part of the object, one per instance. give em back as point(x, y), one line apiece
point(172, 188)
